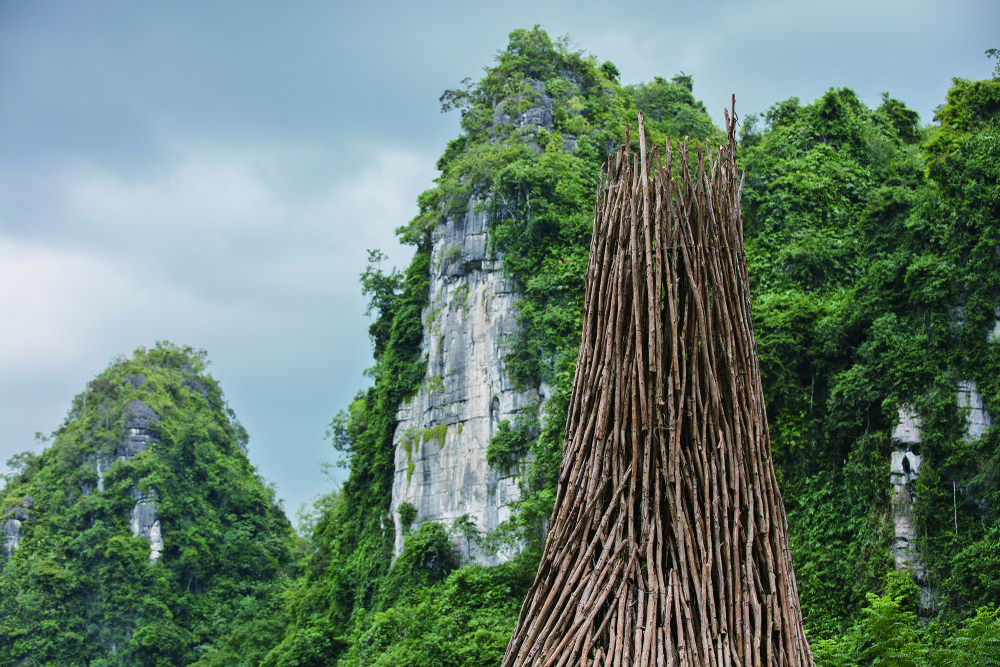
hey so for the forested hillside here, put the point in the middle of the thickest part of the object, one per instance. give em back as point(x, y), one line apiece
point(872, 243)
point(873, 249)
point(144, 537)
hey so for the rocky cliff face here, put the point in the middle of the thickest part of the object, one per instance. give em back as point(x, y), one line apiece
point(904, 469)
point(443, 432)
point(10, 525)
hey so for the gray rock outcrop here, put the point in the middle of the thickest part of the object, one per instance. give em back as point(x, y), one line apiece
point(970, 403)
point(904, 468)
point(138, 435)
point(11, 535)
point(537, 115)
point(444, 431)
point(144, 522)
point(10, 524)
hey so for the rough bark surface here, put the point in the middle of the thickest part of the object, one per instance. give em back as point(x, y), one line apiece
point(668, 542)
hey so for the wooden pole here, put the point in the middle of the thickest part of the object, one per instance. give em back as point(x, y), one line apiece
point(668, 542)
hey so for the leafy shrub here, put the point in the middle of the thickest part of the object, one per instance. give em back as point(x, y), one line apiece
point(407, 513)
point(507, 446)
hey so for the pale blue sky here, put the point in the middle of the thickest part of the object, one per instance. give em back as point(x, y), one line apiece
point(212, 173)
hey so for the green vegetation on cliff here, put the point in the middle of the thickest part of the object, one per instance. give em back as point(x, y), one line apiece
point(536, 130)
point(81, 587)
point(872, 245)
point(352, 532)
point(873, 248)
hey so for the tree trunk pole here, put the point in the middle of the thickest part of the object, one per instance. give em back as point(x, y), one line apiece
point(668, 543)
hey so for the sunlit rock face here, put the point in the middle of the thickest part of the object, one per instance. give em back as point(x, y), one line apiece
point(443, 432)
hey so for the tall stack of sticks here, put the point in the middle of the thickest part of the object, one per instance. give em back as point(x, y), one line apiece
point(668, 542)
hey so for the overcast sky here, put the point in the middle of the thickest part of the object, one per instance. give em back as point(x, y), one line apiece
point(212, 173)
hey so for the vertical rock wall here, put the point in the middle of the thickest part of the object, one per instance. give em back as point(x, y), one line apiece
point(10, 525)
point(443, 432)
point(904, 469)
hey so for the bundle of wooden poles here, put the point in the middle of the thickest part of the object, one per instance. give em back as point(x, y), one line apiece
point(668, 542)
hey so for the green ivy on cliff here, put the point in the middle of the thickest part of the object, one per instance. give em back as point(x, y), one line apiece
point(872, 247)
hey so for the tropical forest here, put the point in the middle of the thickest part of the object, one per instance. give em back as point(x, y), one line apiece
point(142, 535)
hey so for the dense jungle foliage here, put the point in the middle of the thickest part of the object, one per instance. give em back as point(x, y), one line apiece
point(873, 250)
point(873, 244)
point(80, 589)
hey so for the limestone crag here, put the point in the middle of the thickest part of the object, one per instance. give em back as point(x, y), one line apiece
point(443, 432)
point(140, 421)
point(904, 468)
point(10, 524)
point(970, 402)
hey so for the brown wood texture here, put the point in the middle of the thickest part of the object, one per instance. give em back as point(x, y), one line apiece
point(668, 543)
